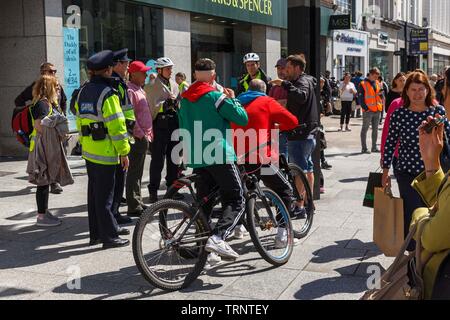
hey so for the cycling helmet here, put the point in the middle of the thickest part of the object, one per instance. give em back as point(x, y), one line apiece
point(163, 63)
point(249, 57)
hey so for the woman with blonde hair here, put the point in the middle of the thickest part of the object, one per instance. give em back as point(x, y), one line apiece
point(47, 163)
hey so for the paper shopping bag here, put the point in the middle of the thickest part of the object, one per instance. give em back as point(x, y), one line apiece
point(388, 222)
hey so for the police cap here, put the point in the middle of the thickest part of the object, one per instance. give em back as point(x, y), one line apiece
point(121, 55)
point(101, 61)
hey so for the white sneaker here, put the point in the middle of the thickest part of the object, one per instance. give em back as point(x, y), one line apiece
point(212, 261)
point(240, 232)
point(220, 247)
point(281, 239)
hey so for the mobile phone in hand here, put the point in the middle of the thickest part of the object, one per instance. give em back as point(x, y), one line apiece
point(433, 124)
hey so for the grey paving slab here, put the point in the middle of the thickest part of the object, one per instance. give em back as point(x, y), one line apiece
point(341, 260)
point(328, 236)
point(363, 239)
point(320, 286)
point(92, 289)
point(261, 285)
point(359, 221)
point(26, 285)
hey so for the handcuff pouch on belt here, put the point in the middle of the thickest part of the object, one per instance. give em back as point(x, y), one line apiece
point(96, 130)
point(130, 126)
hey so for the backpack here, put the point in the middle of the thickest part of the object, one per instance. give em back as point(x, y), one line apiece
point(22, 124)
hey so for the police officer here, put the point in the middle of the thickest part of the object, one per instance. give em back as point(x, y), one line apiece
point(253, 67)
point(162, 97)
point(122, 62)
point(104, 141)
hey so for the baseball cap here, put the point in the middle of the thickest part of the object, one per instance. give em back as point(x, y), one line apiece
point(138, 66)
point(281, 63)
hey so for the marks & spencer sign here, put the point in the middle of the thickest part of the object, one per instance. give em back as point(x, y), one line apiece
point(266, 12)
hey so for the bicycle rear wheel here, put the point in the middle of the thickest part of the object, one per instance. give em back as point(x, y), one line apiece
point(264, 231)
point(302, 224)
point(169, 246)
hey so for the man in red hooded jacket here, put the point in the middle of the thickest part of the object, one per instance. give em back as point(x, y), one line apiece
point(264, 113)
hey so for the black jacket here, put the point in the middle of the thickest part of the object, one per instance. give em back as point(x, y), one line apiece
point(302, 102)
point(439, 87)
point(27, 95)
point(246, 78)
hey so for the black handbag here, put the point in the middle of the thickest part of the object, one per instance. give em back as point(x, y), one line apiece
point(445, 155)
point(375, 181)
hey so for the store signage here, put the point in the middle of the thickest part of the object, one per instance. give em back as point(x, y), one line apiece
point(350, 49)
point(71, 67)
point(346, 38)
point(419, 42)
point(266, 12)
point(340, 22)
point(383, 38)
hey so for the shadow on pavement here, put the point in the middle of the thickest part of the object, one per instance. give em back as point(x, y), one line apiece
point(351, 180)
point(22, 192)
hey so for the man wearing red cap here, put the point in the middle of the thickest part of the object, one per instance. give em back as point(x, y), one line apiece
point(143, 134)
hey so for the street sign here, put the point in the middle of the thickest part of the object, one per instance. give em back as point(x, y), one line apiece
point(340, 22)
point(419, 42)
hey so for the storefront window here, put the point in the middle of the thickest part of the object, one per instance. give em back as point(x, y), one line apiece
point(112, 24)
point(382, 60)
point(440, 62)
point(224, 41)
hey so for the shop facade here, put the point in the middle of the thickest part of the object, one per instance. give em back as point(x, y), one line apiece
point(382, 47)
point(350, 52)
point(67, 32)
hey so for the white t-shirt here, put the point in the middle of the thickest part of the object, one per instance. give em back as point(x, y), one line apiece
point(347, 95)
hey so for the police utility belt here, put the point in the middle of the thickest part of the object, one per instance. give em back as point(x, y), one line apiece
point(130, 125)
point(96, 130)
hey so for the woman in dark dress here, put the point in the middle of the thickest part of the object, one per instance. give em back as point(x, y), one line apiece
point(396, 91)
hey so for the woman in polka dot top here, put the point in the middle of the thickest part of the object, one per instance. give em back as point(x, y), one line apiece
point(418, 97)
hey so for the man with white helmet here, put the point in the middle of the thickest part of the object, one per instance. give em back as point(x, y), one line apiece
point(254, 71)
point(162, 97)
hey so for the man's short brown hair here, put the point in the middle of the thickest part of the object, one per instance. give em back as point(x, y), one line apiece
point(298, 61)
point(375, 70)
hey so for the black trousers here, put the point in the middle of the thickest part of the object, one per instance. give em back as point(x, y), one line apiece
point(274, 179)
point(162, 147)
point(42, 194)
point(411, 200)
point(119, 187)
point(102, 225)
point(346, 112)
point(226, 176)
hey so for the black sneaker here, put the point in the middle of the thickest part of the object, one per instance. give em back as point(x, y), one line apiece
point(376, 150)
point(326, 166)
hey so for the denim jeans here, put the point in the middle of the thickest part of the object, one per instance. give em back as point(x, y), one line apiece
point(300, 153)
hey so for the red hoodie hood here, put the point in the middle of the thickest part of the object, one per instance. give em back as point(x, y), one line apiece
point(197, 90)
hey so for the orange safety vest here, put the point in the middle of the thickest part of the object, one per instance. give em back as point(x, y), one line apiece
point(372, 98)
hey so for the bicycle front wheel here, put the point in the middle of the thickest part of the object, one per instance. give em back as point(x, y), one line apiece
point(270, 227)
point(169, 245)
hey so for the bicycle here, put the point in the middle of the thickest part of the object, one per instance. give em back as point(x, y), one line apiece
point(183, 242)
point(301, 224)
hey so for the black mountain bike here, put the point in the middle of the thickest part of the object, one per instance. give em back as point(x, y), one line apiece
point(170, 237)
